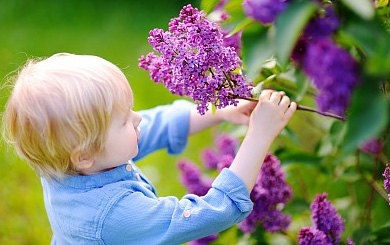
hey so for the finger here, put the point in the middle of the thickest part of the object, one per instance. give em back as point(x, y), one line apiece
point(285, 102)
point(291, 110)
point(266, 94)
point(275, 97)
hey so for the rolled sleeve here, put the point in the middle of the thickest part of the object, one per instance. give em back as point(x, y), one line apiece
point(235, 188)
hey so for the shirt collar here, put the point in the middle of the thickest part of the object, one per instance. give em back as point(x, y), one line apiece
point(97, 180)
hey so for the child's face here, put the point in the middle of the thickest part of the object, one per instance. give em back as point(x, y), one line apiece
point(121, 142)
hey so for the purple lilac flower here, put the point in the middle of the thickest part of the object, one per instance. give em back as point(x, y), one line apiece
point(326, 218)
point(322, 25)
point(192, 178)
point(334, 72)
point(195, 63)
point(205, 240)
point(312, 236)
point(264, 11)
point(270, 190)
point(386, 183)
point(373, 146)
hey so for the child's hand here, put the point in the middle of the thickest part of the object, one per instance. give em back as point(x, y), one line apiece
point(239, 114)
point(271, 114)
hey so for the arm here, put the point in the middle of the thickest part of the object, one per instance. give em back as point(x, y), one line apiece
point(267, 120)
point(138, 219)
point(235, 114)
point(164, 127)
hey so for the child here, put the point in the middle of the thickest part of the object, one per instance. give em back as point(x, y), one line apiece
point(71, 118)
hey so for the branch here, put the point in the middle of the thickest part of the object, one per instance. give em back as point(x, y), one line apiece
point(305, 108)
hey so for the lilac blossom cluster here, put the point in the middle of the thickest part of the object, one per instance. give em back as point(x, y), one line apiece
point(386, 183)
point(333, 70)
point(328, 224)
point(195, 63)
point(269, 193)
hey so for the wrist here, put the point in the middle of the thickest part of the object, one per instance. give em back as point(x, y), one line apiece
point(258, 133)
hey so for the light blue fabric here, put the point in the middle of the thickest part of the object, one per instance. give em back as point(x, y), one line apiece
point(120, 206)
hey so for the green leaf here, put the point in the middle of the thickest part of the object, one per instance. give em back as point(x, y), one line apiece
point(337, 132)
point(373, 40)
point(302, 84)
point(368, 115)
point(296, 157)
point(240, 25)
point(364, 8)
point(255, 49)
point(208, 5)
point(361, 235)
point(289, 26)
point(382, 233)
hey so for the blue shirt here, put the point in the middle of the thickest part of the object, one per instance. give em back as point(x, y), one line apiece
point(120, 206)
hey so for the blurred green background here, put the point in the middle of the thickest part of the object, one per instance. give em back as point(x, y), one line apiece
point(117, 30)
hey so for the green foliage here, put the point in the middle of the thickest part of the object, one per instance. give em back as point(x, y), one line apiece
point(373, 111)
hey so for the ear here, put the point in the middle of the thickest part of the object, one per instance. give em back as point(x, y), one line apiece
point(82, 161)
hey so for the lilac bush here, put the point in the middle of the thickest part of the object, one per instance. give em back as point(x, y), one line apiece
point(326, 220)
point(270, 190)
point(269, 193)
point(195, 62)
point(333, 70)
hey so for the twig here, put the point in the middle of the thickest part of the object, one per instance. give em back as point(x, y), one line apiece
point(305, 108)
point(327, 114)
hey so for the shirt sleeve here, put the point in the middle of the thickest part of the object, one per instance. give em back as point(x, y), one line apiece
point(137, 219)
point(164, 127)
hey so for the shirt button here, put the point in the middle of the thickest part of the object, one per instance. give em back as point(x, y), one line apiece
point(129, 167)
point(137, 175)
point(187, 213)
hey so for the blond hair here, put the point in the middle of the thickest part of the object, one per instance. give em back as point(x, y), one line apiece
point(60, 104)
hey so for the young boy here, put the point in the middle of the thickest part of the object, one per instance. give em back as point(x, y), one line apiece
point(71, 118)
